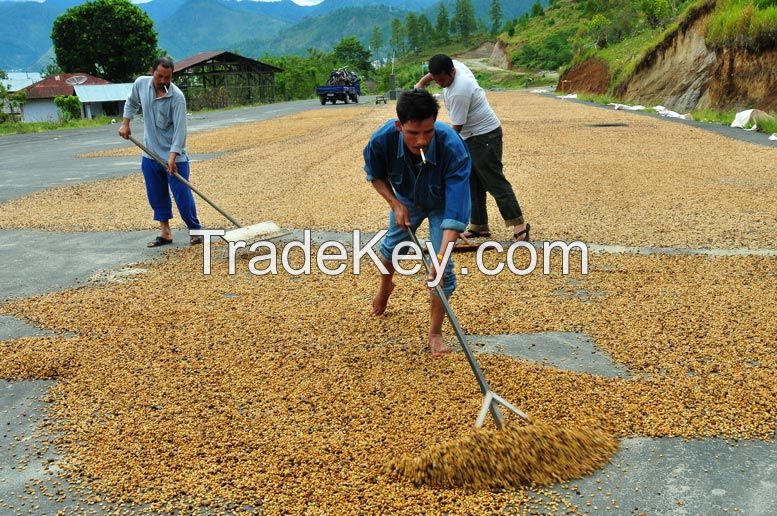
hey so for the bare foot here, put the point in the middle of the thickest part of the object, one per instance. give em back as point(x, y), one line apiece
point(381, 298)
point(438, 346)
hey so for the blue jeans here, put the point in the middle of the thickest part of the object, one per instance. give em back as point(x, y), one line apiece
point(397, 235)
point(158, 187)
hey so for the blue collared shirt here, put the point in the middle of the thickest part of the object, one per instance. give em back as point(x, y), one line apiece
point(164, 118)
point(443, 182)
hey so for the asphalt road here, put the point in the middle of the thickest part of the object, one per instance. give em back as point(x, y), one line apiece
point(35, 161)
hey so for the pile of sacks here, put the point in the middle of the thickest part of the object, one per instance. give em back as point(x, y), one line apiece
point(343, 77)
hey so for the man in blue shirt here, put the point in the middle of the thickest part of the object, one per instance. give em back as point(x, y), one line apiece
point(164, 132)
point(415, 189)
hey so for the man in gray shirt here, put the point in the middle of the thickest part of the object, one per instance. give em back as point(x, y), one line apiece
point(471, 115)
point(164, 133)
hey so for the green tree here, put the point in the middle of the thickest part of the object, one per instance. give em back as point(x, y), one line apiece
point(376, 42)
point(495, 13)
point(464, 19)
point(598, 28)
point(69, 106)
point(3, 93)
point(301, 74)
point(656, 11)
point(411, 31)
point(397, 40)
point(113, 39)
point(536, 9)
point(50, 69)
point(443, 25)
point(350, 52)
point(425, 30)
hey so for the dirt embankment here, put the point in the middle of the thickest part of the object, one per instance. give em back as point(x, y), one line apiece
point(590, 76)
point(743, 79)
point(684, 73)
point(499, 56)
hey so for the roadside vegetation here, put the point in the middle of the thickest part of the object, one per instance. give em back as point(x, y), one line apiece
point(39, 127)
point(618, 32)
point(750, 24)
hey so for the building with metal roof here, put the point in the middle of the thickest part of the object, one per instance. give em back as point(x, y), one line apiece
point(101, 99)
point(40, 107)
point(219, 79)
point(19, 80)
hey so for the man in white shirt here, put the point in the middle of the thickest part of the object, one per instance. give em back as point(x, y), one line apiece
point(471, 115)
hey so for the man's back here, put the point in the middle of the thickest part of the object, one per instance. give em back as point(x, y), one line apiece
point(467, 105)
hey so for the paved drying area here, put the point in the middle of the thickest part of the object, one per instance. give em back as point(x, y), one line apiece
point(280, 392)
point(645, 183)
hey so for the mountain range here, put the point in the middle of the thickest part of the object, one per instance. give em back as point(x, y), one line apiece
point(252, 28)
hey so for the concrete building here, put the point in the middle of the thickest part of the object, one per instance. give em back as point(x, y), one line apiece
point(40, 105)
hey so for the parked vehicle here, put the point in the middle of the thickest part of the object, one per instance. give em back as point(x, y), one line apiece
point(344, 85)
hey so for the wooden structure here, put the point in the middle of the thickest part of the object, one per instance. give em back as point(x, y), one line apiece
point(221, 79)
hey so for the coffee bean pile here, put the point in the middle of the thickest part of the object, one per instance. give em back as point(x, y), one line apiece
point(534, 454)
point(282, 392)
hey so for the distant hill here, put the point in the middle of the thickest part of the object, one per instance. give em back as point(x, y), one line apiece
point(186, 27)
point(324, 31)
point(213, 25)
point(28, 37)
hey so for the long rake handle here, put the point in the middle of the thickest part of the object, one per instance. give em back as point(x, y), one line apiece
point(473, 363)
point(179, 177)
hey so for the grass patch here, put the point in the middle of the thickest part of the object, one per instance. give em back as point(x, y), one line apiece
point(597, 99)
point(750, 24)
point(713, 116)
point(621, 56)
point(768, 126)
point(40, 127)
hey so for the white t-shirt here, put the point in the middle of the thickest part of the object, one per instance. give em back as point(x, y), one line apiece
point(466, 103)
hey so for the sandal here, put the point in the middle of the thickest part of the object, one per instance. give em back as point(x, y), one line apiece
point(195, 240)
point(476, 234)
point(517, 236)
point(159, 241)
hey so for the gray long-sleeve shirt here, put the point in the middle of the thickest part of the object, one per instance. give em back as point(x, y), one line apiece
point(164, 118)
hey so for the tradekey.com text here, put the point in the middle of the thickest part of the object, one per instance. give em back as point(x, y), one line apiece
point(332, 258)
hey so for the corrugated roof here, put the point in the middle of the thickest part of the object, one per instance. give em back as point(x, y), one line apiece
point(196, 59)
point(103, 92)
point(206, 56)
point(20, 80)
point(60, 84)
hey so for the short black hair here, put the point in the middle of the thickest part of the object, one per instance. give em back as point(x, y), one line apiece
point(416, 105)
point(165, 61)
point(440, 64)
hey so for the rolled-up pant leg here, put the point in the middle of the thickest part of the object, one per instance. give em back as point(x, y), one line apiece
point(397, 235)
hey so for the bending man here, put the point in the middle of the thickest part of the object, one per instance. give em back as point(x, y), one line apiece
point(437, 190)
point(472, 116)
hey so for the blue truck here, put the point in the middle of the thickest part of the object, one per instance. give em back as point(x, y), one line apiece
point(335, 93)
point(343, 85)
